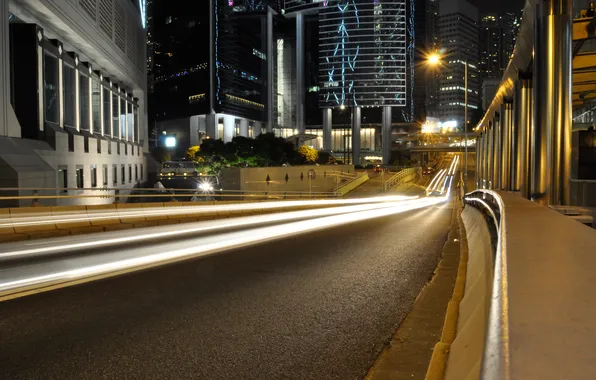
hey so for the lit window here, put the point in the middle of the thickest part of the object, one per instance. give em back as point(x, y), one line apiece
point(168, 20)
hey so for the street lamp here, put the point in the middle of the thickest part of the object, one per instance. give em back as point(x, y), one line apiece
point(434, 59)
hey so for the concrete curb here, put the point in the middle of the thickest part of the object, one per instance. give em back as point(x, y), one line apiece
point(438, 362)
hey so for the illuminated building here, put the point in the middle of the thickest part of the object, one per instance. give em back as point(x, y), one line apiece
point(459, 41)
point(211, 68)
point(72, 96)
point(365, 63)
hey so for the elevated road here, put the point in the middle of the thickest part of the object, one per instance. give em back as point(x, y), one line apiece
point(319, 305)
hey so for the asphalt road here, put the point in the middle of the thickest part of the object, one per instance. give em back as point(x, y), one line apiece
point(318, 306)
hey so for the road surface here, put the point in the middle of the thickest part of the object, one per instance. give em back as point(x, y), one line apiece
point(317, 306)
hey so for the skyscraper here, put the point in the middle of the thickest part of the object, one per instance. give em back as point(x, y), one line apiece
point(211, 64)
point(459, 41)
point(497, 40)
point(426, 22)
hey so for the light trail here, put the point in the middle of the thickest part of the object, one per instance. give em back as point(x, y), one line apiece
point(97, 215)
point(68, 244)
point(47, 275)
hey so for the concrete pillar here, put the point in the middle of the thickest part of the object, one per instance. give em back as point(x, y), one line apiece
point(194, 130)
point(270, 67)
point(386, 134)
point(229, 125)
point(211, 126)
point(490, 164)
point(523, 113)
point(256, 128)
point(300, 73)
point(478, 173)
point(9, 125)
point(486, 159)
point(327, 127)
point(506, 121)
point(497, 153)
point(356, 123)
point(244, 127)
point(551, 138)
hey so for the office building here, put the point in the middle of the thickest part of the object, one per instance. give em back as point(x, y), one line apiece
point(458, 24)
point(213, 65)
point(363, 63)
point(72, 97)
point(426, 77)
point(497, 40)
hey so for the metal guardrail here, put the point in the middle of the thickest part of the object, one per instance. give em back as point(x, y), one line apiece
point(496, 358)
point(403, 176)
point(120, 194)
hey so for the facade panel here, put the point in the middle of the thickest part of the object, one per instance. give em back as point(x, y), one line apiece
point(363, 53)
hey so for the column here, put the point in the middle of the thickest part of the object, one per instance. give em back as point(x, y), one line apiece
point(256, 128)
point(506, 114)
point(244, 127)
point(490, 167)
point(485, 160)
point(551, 140)
point(8, 123)
point(211, 126)
point(478, 173)
point(270, 67)
point(300, 73)
point(523, 112)
point(327, 127)
point(356, 123)
point(386, 134)
point(229, 125)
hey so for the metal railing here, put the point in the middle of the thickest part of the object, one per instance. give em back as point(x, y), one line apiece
point(403, 176)
point(496, 358)
point(37, 196)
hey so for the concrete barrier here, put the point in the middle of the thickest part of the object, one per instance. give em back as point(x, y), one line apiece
point(466, 350)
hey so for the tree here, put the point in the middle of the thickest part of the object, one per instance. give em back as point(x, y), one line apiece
point(326, 158)
point(161, 154)
point(308, 154)
point(192, 153)
point(271, 150)
point(212, 153)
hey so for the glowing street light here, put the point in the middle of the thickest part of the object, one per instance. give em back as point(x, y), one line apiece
point(434, 59)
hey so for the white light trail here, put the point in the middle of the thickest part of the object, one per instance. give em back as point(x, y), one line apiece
point(98, 215)
point(20, 281)
point(141, 235)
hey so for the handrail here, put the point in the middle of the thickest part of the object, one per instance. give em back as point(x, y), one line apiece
point(349, 181)
point(397, 178)
point(496, 357)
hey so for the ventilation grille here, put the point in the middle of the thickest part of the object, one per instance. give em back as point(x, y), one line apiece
point(120, 30)
point(90, 6)
point(131, 43)
point(105, 17)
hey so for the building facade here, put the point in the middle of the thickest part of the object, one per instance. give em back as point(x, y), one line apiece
point(426, 77)
point(72, 97)
point(213, 66)
point(459, 42)
point(497, 40)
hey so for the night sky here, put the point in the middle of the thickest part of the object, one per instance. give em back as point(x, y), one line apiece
point(498, 5)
